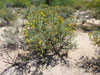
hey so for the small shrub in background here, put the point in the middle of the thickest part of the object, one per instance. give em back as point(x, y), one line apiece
point(6, 3)
point(77, 4)
point(2, 5)
point(21, 3)
point(37, 2)
point(96, 13)
point(63, 11)
point(8, 15)
point(72, 3)
point(13, 38)
point(44, 6)
point(56, 2)
point(95, 6)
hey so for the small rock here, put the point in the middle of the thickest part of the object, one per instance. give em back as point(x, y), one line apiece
point(93, 22)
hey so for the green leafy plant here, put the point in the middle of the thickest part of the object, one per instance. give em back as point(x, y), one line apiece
point(45, 32)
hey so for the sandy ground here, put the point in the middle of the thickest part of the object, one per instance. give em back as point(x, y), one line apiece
point(85, 48)
point(3, 66)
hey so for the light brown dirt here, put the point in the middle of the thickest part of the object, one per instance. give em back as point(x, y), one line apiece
point(85, 48)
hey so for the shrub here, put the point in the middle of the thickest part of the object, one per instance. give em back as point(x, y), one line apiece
point(6, 3)
point(45, 32)
point(38, 2)
point(95, 36)
point(95, 6)
point(72, 3)
point(63, 11)
point(7, 14)
point(1, 5)
point(56, 2)
point(21, 3)
point(77, 4)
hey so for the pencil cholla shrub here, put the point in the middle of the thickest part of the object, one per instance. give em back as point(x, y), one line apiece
point(45, 32)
